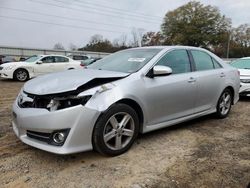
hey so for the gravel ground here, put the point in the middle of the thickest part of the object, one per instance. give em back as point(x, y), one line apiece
point(206, 152)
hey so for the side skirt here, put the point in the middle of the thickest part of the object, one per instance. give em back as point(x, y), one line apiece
point(149, 128)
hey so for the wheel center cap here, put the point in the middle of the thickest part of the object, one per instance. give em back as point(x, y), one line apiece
point(119, 130)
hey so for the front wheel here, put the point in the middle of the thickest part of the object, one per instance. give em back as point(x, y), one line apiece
point(116, 130)
point(224, 104)
point(21, 75)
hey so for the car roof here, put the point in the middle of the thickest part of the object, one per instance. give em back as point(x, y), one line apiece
point(77, 55)
point(245, 58)
point(51, 55)
point(170, 47)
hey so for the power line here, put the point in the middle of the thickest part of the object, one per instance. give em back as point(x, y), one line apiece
point(121, 10)
point(118, 9)
point(57, 24)
point(89, 11)
point(85, 5)
point(62, 17)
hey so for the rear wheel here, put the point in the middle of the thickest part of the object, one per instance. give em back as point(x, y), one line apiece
point(116, 130)
point(21, 75)
point(224, 104)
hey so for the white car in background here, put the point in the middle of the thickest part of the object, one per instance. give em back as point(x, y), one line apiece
point(243, 65)
point(37, 65)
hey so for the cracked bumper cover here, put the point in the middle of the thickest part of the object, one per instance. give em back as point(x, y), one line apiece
point(79, 119)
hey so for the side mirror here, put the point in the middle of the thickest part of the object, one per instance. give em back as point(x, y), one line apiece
point(159, 70)
point(39, 62)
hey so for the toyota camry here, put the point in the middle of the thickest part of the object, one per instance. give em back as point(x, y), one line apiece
point(106, 105)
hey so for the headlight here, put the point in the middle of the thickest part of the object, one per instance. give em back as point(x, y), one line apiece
point(245, 80)
point(9, 67)
point(58, 103)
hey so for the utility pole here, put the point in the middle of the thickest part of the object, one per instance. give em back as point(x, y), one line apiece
point(228, 43)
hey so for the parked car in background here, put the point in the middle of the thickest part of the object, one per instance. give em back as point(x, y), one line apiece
point(105, 106)
point(37, 65)
point(6, 59)
point(79, 57)
point(89, 61)
point(22, 58)
point(243, 65)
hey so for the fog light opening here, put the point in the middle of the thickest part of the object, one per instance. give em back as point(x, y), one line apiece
point(58, 137)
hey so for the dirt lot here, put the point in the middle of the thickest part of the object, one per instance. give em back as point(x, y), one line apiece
point(202, 153)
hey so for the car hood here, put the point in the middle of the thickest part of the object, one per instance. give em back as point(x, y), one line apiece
point(71, 80)
point(19, 63)
point(244, 72)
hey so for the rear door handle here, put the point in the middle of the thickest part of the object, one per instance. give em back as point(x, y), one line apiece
point(191, 80)
point(222, 74)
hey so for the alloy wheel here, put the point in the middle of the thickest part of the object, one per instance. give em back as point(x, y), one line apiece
point(225, 103)
point(118, 131)
point(21, 75)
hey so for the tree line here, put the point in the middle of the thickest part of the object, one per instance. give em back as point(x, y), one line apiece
point(193, 24)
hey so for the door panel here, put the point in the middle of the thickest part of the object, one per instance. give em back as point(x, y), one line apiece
point(45, 67)
point(210, 81)
point(209, 87)
point(170, 97)
point(61, 63)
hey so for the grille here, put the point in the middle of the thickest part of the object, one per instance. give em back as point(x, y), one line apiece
point(38, 102)
point(44, 137)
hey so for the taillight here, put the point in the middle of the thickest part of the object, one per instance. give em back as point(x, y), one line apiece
point(82, 65)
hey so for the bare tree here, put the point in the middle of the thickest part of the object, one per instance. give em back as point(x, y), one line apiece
point(152, 38)
point(73, 47)
point(123, 40)
point(135, 40)
point(95, 39)
point(58, 46)
point(137, 34)
point(140, 33)
point(116, 43)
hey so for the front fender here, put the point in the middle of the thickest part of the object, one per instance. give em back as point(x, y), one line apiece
point(102, 98)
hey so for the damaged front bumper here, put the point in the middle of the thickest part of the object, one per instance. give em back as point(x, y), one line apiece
point(245, 86)
point(78, 120)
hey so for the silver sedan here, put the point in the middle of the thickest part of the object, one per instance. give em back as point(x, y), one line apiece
point(106, 105)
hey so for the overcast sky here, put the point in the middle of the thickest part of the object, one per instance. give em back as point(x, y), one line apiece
point(42, 23)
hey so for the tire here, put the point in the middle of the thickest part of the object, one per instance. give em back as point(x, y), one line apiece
point(21, 75)
point(224, 104)
point(110, 135)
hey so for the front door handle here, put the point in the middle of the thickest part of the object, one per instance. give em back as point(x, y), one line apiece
point(191, 80)
point(222, 75)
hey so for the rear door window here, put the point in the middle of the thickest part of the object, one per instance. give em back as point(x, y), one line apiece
point(77, 57)
point(202, 60)
point(48, 59)
point(217, 65)
point(59, 59)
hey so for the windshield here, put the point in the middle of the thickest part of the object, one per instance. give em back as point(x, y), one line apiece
point(87, 62)
point(32, 59)
point(241, 63)
point(127, 61)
